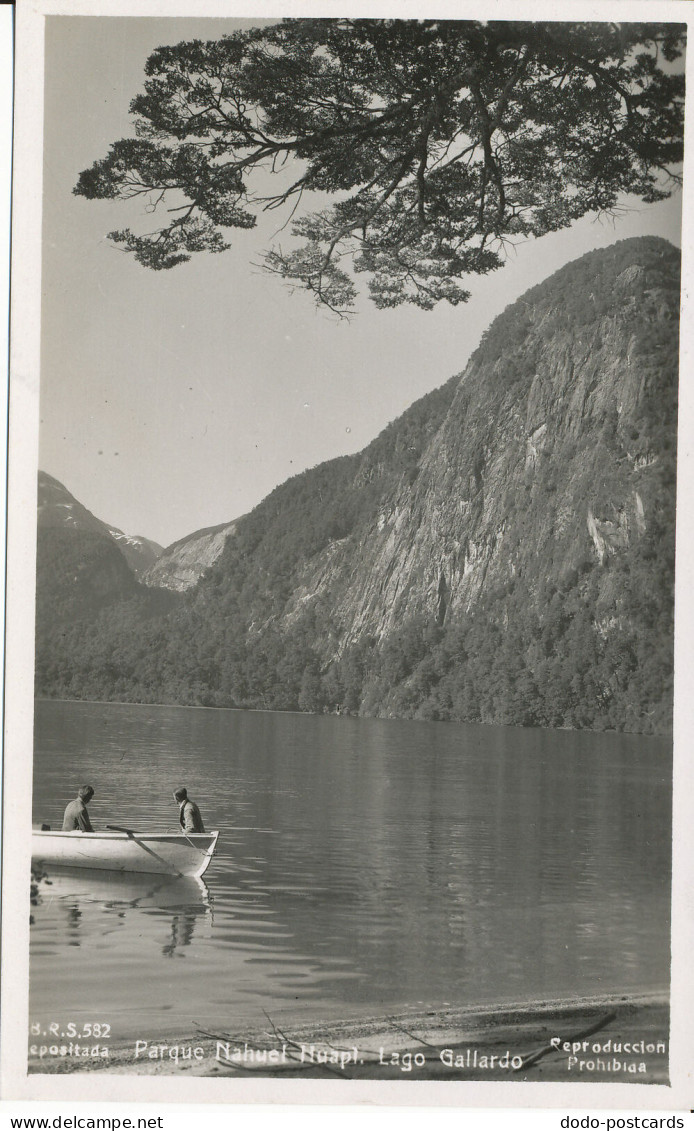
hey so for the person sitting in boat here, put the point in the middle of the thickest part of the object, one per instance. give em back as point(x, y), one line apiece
point(76, 815)
point(189, 814)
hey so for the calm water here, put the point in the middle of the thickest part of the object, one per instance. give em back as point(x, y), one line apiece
point(364, 867)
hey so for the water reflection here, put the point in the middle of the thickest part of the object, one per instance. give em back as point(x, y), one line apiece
point(362, 865)
point(85, 900)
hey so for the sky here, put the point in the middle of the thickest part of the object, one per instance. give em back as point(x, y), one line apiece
point(172, 401)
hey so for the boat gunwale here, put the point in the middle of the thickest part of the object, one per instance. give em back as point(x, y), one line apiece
point(78, 834)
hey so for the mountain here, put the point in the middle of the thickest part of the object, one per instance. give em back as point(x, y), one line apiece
point(58, 510)
point(178, 567)
point(80, 568)
point(86, 570)
point(140, 553)
point(183, 563)
point(503, 553)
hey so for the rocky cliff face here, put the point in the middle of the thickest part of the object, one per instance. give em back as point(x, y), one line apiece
point(556, 455)
point(181, 565)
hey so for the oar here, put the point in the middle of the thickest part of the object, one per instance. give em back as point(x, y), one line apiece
point(133, 835)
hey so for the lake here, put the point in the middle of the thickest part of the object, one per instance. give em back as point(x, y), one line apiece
point(365, 867)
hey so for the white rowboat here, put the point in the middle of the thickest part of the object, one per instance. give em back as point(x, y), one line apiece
point(170, 854)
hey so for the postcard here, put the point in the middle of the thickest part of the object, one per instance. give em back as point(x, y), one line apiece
point(347, 713)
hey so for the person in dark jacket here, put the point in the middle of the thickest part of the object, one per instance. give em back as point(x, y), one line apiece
point(76, 815)
point(189, 814)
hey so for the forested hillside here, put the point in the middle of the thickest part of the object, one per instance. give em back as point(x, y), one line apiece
point(503, 553)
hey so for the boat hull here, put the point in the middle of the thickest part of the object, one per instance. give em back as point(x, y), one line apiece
point(169, 854)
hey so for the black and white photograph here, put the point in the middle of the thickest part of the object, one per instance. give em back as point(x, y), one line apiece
point(343, 710)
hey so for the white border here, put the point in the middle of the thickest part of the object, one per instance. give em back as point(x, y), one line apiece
point(26, 293)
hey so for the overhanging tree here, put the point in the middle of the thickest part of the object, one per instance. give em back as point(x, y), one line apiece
point(438, 141)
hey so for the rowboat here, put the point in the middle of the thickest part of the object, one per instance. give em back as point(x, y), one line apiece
point(124, 850)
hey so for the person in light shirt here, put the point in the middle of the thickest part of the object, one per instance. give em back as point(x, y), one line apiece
point(76, 816)
point(189, 814)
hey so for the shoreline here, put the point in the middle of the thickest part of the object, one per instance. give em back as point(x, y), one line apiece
point(601, 1039)
point(659, 735)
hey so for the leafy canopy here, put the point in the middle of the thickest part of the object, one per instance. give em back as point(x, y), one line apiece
point(435, 142)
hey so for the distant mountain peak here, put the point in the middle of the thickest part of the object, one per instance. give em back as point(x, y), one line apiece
point(58, 508)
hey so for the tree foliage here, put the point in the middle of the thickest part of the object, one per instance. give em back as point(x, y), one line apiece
point(434, 143)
